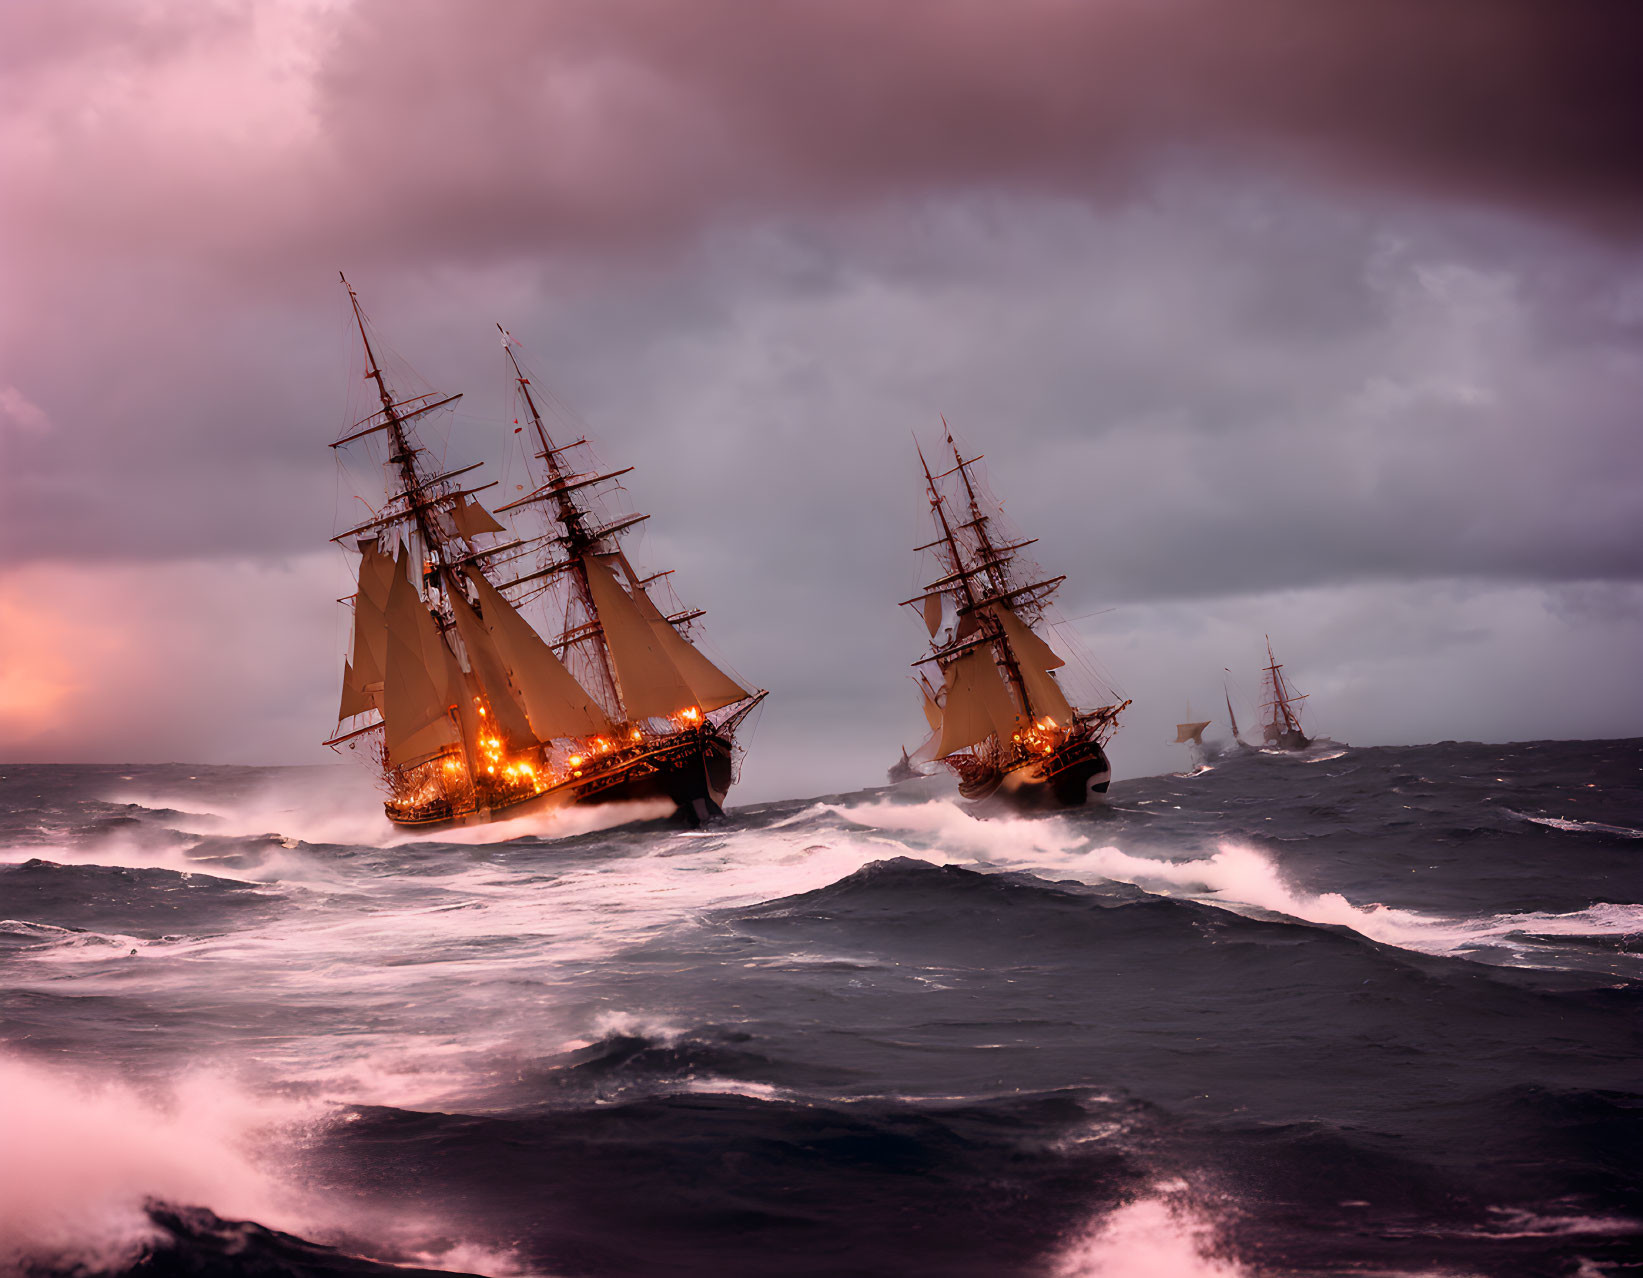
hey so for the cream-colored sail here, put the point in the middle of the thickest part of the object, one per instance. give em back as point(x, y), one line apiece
point(932, 711)
point(932, 612)
point(651, 683)
point(555, 704)
point(1190, 732)
point(712, 687)
point(507, 718)
point(354, 700)
point(376, 573)
point(471, 519)
point(977, 703)
point(1036, 659)
point(417, 725)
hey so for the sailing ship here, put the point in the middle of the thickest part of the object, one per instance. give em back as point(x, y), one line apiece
point(902, 769)
point(471, 714)
point(1000, 719)
point(1191, 735)
point(1280, 717)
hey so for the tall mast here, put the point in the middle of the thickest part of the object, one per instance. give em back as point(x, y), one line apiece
point(578, 540)
point(1280, 699)
point(989, 555)
point(993, 565)
point(403, 455)
point(955, 559)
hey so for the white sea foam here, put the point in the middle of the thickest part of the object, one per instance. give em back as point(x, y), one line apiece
point(1162, 1235)
point(83, 1153)
point(1236, 875)
point(341, 806)
point(1580, 827)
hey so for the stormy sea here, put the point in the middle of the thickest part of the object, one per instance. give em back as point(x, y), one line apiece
point(1352, 1011)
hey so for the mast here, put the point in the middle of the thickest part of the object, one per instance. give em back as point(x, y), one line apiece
point(573, 519)
point(1231, 718)
point(420, 497)
point(403, 455)
point(955, 560)
point(1280, 692)
point(993, 565)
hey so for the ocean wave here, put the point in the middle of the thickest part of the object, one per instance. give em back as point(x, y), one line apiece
point(1582, 827)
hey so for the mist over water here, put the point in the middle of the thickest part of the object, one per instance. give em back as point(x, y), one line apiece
point(1354, 1011)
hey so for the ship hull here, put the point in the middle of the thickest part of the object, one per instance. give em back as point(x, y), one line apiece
point(1287, 740)
point(694, 774)
point(1063, 779)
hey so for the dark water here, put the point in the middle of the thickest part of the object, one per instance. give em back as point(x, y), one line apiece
point(1364, 1011)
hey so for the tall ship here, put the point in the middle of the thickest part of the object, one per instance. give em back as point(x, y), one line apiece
point(999, 718)
point(1280, 708)
point(471, 713)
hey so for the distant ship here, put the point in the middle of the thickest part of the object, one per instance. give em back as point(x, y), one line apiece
point(470, 713)
point(1000, 720)
point(902, 769)
point(1280, 715)
point(1190, 733)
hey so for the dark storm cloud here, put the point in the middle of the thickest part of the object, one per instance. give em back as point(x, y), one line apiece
point(594, 119)
point(395, 129)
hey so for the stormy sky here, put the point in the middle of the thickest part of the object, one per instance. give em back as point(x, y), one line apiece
point(1270, 316)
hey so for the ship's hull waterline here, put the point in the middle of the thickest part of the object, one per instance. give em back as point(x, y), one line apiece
point(1063, 779)
point(695, 774)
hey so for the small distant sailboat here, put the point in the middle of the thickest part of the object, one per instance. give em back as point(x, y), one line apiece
point(1280, 715)
point(1191, 735)
point(1232, 721)
point(1000, 720)
point(473, 715)
point(902, 769)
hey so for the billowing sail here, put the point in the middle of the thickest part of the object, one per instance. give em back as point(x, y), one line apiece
point(507, 714)
point(932, 612)
point(354, 700)
point(556, 705)
point(932, 712)
point(1190, 732)
point(417, 725)
point(651, 683)
point(977, 704)
point(471, 519)
point(712, 686)
point(370, 651)
point(1035, 659)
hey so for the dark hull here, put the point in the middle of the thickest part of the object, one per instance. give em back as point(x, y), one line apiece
point(1290, 740)
point(1063, 779)
point(693, 770)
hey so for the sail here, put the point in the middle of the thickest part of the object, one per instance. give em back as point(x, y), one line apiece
point(354, 699)
point(376, 573)
point(932, 612)
point(507, 714)
point(651, 684)
point(977, 705)
point(1193, 732)
point(555, 704)
point(1035, 659)
point(712, 687)
point(932, 711)
point(471, 519)
point(416, 723)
